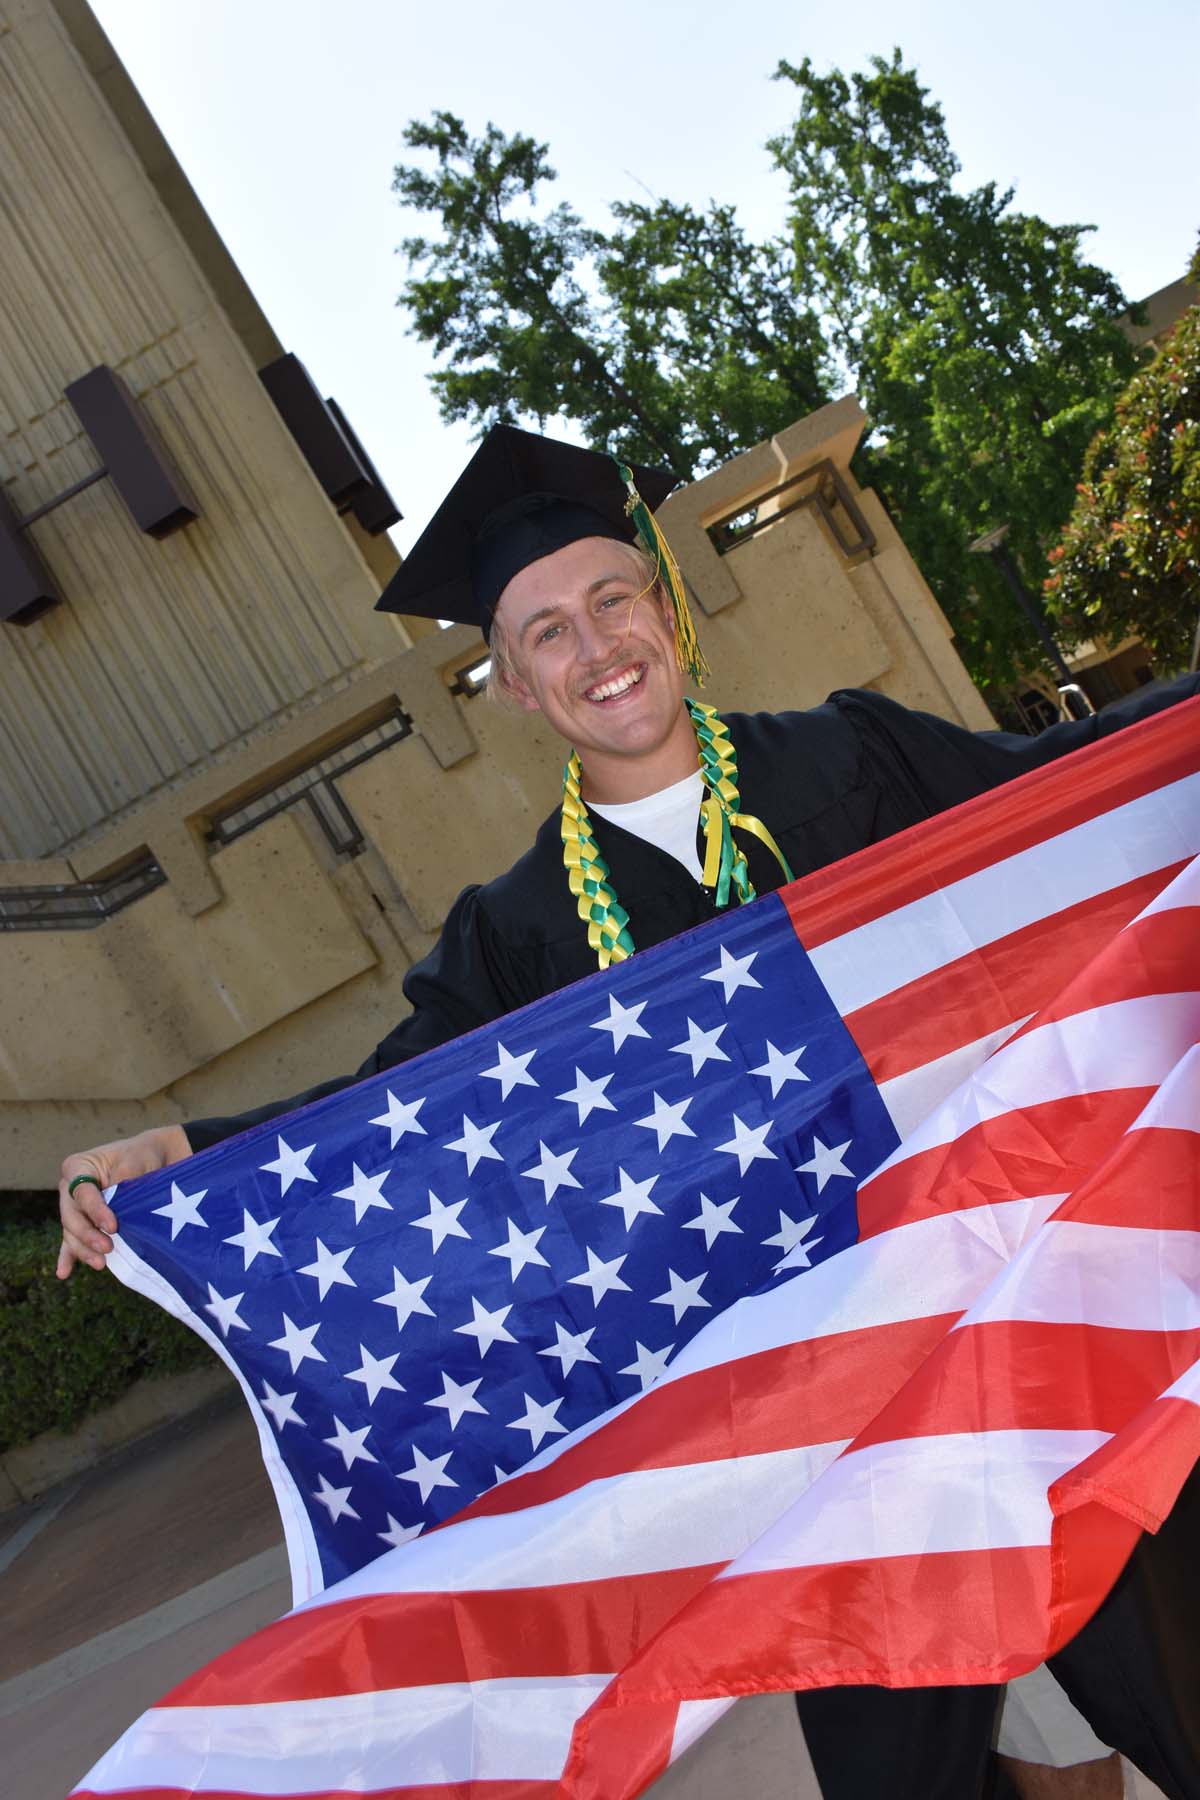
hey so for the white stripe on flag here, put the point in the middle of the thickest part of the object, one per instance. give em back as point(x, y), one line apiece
point(874, 1283)
point(1186, 1386)
point(1176, 1105)
point(1149, 833)
point(911, 1097)
point(1117, 1277)
point(726, 1503)
point(922, 1496)
point(518, 1728)
point(1129, 1044)
point(304, 1562)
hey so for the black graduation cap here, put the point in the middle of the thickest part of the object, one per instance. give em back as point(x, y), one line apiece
point(521, 497)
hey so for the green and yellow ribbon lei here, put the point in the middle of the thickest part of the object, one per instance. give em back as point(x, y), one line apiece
point(725, 868)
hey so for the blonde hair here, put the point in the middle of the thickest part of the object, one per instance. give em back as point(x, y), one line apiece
point(504, 667)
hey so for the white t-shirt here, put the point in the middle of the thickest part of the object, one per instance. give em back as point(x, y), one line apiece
point(669, 819)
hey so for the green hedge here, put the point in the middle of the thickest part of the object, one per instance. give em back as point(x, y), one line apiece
point(70, 1347)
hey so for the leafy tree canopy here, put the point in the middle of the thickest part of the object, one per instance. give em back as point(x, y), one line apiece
point(673, 339)
point(984, 346)
point(983, 343)
point(1129, 559)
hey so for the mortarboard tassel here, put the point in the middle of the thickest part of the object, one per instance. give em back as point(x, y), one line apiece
point(688, 653)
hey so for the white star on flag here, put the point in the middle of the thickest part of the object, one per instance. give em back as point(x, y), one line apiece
point(588, 1094)
point(622, 1021)
point(538, 1419)
point(428, 1472)
point(401, 1116)
point(406, 1298)
point(349, 1444)
point(329, 1268)
point(442, 1221)
point(712, 1220)
point(647, 1365)
point(825, 1163)
point(365, 1191)
point(397, 1534)
point(780, 1066)
point(297, 1343)
point(572, 1347)
point(281, 1407)
point(682, 1295)
point(224, 1309)
point(511, 1071)
point(476, 1143)
point(521, 1249)
point(182, 1209)
point(254, 1239)
point(553, 1170)
point(458, 1398)
point(487, 1328)
point(601, 1277)
point(790, 1239)
point(633, 1197)
point(375, 1373)
point(733, 973)
point(336, 1501)
point(701, 1046)
point(290, 1165)
point(666, 1121)
point(747, 1144)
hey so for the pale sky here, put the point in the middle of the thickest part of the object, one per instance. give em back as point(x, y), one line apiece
point(287, 117)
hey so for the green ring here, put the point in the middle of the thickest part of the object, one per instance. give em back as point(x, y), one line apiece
point(78, 1182)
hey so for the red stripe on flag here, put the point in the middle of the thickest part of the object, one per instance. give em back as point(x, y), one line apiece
point(1141, 1471)
point(1050, 1148)
point(1152, 1179)
point(382, 1640)
point(1030, 1375)
point(985, 830)
point(1131, 1482)
point(816, 1392)
point(994, 985)
point(897, 1621)
point(628, 1748)
point(1155, 955)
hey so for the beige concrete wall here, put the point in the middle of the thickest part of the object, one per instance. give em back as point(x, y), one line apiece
point(165, 656)
point(265, 965)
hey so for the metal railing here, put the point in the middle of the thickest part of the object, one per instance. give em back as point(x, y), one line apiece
point(79, 905)
point(820, 488)
point(313, 786)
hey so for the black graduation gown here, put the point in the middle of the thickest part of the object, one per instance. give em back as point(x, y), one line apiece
point(826, 782)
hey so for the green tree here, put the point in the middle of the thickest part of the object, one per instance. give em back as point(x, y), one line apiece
point(674, 338)
point(984, 345)
point(1129, 559)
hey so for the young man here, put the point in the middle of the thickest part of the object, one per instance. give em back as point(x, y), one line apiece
point(670, 812)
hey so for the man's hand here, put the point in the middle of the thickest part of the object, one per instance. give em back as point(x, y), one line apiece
point(87, 1219)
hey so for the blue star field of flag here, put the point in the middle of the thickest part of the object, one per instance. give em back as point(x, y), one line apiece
point(429, 1277)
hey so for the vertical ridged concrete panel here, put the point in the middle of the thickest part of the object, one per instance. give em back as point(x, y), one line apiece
point(164, 655)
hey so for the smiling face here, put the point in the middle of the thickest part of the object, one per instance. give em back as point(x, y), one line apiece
point(593, 649)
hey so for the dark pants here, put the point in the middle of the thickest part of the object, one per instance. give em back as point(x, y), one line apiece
point(1133, 1672)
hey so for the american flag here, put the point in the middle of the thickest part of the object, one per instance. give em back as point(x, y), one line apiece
point(749, 1313)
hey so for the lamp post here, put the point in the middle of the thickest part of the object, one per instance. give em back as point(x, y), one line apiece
point(995, 544)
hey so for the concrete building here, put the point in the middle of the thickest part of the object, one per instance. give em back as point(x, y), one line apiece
point(235, 803)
